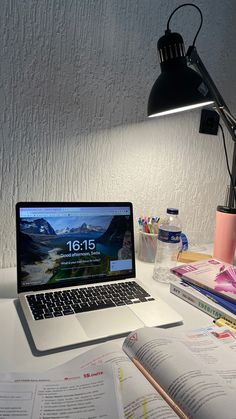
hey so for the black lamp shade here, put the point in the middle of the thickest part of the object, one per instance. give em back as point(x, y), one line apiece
point(178, 87)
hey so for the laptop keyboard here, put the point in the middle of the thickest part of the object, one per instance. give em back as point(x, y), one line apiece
point(78, 300)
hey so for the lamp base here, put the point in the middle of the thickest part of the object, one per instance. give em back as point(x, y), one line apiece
point(225, 234)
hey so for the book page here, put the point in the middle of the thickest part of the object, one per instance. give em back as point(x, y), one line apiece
point(197, 391)
point(139, 399)
point(86, 387)
point(121, 388)
point(216, 348)
point(222, 334)
point(105, 353)
point(85, 394)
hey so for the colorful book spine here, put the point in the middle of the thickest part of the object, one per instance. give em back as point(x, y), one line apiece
point(228, 305)
point(200, 301)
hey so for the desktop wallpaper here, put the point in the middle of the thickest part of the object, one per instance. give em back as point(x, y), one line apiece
point(61, 249)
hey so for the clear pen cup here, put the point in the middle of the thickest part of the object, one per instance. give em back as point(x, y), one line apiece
point(147, 246)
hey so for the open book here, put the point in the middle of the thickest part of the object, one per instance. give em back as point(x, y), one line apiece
point(159, 374)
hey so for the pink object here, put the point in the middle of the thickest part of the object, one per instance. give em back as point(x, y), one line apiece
point(225, 234)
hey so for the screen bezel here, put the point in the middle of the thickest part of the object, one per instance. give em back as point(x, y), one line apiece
point(116, 277)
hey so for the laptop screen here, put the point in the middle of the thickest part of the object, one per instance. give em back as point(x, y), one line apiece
point(65, 244)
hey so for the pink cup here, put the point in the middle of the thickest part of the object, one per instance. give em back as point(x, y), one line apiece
point(225, 234)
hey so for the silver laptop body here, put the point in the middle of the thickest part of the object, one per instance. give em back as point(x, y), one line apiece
point(68, 249)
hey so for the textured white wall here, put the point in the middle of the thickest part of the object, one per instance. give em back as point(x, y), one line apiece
point(75, 76)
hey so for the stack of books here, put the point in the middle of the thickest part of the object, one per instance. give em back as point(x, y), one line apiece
point(209, 285)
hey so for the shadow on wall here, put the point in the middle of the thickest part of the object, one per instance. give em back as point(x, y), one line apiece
point(72, 67)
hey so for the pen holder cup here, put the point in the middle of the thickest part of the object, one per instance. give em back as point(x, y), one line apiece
point(147, 247)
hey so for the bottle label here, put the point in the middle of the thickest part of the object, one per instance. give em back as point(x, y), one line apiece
point(169, 236)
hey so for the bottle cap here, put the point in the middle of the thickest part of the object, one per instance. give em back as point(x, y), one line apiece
point(173, 211)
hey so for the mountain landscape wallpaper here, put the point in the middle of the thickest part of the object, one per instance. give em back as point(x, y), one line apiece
point(61, 249)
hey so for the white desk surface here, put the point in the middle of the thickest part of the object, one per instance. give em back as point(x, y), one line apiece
point(15, 350)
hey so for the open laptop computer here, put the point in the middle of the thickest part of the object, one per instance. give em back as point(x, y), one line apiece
point(76, 274)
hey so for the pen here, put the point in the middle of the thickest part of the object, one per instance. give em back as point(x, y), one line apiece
point(148, 224)
point(222, 322)
point(150, 227)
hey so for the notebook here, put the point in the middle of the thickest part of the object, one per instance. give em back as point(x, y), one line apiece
point(76, 274)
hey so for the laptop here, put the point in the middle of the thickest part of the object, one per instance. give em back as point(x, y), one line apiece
point(76, 274)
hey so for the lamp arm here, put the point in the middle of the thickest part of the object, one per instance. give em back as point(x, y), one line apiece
point(220, 104)
point(222, 109)
point(230, 116)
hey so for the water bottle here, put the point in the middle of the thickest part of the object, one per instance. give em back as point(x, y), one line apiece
point(168, 245)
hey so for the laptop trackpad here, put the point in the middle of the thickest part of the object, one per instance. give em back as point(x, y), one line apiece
point(109, 322)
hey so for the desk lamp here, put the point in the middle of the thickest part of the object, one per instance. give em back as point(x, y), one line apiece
point(180, 88)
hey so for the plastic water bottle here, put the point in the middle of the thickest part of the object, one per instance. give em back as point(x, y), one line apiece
point(168, 245)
